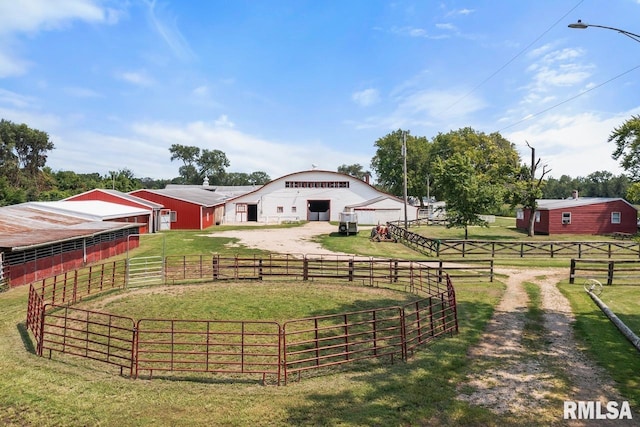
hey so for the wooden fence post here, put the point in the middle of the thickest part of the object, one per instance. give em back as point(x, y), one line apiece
point(572, 272)
point(610, 272)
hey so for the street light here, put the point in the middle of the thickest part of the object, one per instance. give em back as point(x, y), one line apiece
point(581, 25)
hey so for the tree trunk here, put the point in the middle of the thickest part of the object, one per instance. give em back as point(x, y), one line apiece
point(532, 223)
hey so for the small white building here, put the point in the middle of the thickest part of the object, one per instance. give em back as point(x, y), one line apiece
point(316, 195)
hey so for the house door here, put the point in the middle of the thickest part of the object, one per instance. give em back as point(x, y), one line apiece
point(318, 210)
point(252, 213)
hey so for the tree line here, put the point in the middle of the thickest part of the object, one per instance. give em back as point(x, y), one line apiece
point(474, 172)
point(25, 177)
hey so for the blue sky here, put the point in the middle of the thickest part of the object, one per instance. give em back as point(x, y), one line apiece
point(281, 85)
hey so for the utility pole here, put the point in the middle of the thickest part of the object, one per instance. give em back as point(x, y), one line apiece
point(404, 173)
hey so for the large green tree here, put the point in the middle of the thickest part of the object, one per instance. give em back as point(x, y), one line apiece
point(627, 151)
point(491, 155)
point(467, 193)
point(355, 170)
point(388, 164)
point(23, 155)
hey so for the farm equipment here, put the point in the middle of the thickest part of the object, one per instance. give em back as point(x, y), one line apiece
point(381, 233)
point(348, 223)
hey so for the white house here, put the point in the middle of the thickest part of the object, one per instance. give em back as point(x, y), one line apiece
point(316, 195)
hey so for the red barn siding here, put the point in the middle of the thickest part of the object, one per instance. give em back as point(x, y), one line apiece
point(46, 266)
point(189, 215)
point(585, 219)
point(142, 220)
point(107, 197)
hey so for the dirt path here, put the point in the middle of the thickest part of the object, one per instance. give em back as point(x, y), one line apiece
point(512, 379)
point(295, 240)
point(509, 377)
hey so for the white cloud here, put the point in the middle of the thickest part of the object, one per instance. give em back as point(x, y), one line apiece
point(37, 15)
point(366, 98)
point(167, 28)
point(33, 16)
point(138, 78)
point(81, 92)
point(573, 145)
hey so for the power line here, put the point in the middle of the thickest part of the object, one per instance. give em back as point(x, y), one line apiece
point(512, 59)
point(531, 116)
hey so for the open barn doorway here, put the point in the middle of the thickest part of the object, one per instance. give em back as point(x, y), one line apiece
point(318, 210)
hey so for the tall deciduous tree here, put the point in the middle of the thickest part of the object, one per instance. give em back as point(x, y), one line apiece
point(23, 154)
point(355, 170)
point(627, 140)
point(528, 189)
point(212, 164)
point(467, 193)
point(388, 164)
point(189, 156)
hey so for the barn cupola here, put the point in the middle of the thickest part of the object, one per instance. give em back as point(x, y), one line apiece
point(205, 182)
point(574, 194)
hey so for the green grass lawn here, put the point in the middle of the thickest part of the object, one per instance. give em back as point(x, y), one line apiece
point(71, 391)
point(601, 338)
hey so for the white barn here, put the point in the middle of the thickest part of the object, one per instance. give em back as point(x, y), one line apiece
point(316, 195)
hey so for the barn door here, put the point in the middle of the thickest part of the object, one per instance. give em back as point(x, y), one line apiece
point(318, 210)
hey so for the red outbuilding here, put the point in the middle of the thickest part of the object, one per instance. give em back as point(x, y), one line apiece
point(190, 208)
point(158, 216)
point(581, 215)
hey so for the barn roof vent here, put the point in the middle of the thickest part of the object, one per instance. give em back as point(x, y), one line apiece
point(574, 194)
point(205, 182)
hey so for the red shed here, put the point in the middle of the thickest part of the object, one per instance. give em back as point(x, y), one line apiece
point(159, 217)
point(581, 215)
point(190, 208)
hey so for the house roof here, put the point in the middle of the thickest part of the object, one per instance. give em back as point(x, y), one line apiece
point(551, 204)
point(27, 225)
point(196, 195)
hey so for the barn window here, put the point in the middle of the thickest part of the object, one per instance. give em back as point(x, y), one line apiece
point(173, 216)
point(566, 217)
point(519, 214)
point(241, 208)
point(537, 216)
point(615, 217)
point(279, 209)
point(293, 209)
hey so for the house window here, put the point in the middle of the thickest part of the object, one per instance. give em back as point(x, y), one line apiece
point(279, 209)
point(293, 209)
point(173, 216)
point(566, 217)
point(615, 217)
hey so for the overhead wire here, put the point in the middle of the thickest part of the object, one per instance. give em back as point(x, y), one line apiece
point(520, 53)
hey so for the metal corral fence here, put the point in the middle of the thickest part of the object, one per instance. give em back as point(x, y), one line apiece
point(521, 249)
point(604, 270)
point(275, 351)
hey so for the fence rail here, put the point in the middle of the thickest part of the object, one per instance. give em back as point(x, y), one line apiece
point(243, 347)
point(520, 249)
point(605, 270)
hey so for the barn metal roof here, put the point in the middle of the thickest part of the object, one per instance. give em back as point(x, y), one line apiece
point(27, 225)
point(196, 195)
point(551, 204)
point(96, 210)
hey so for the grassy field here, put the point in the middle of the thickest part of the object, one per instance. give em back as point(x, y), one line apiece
point(70, 391)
